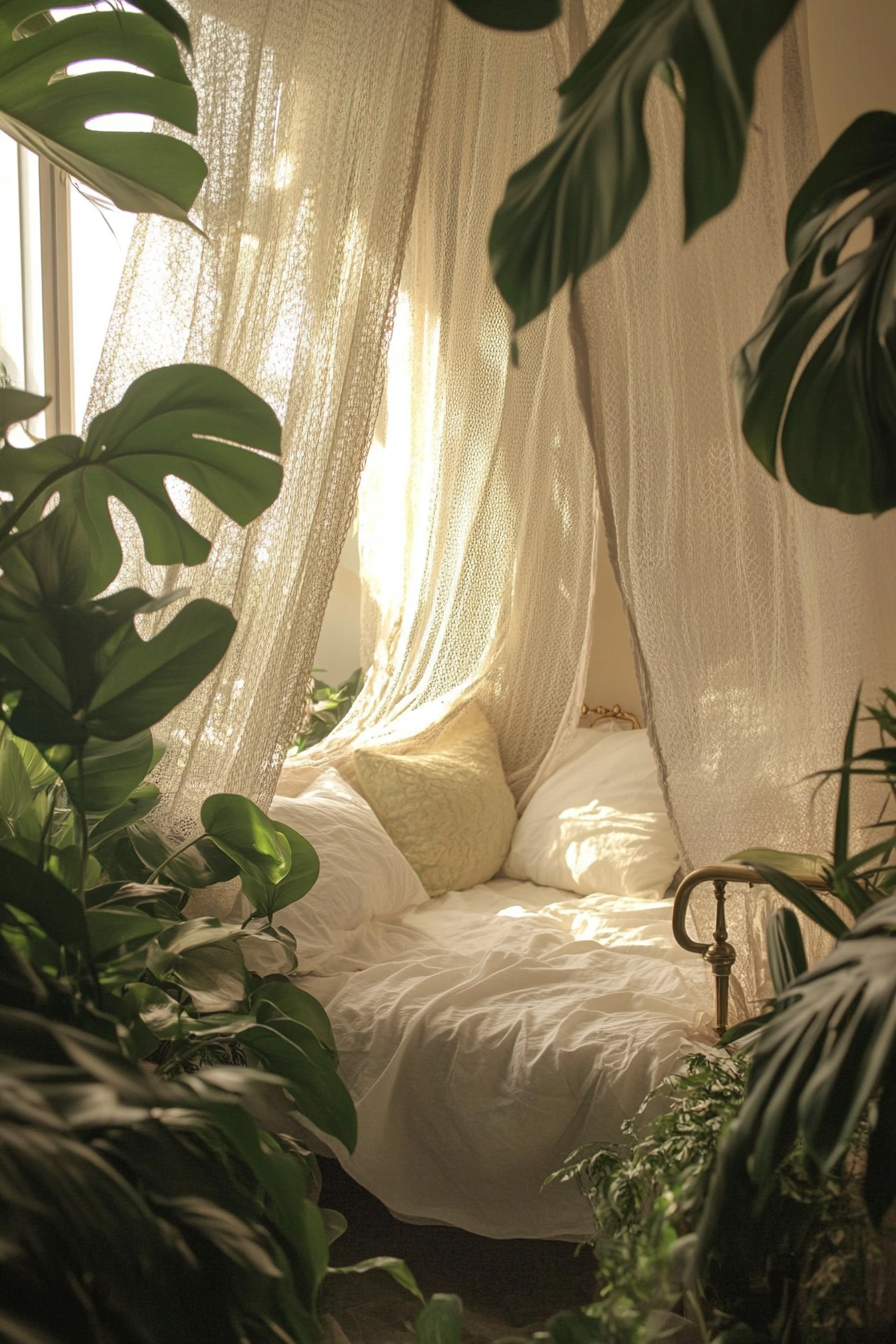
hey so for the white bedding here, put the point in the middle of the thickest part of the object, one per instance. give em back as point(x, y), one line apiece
point(488, 1033)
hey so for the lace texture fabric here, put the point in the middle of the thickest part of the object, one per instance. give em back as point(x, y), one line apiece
point(354, 170)
point(476, 508)
point(312, 120)
point(755, 614)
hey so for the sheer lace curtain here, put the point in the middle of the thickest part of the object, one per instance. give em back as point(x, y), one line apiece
point(756, 614)
point(312, 119)
point(477, 504)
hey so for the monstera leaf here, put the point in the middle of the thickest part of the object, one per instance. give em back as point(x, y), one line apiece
point(837, 432)
point(189, 421)
point(571, 204)
point(85, 672)
point(46, 108)
point(512, 15)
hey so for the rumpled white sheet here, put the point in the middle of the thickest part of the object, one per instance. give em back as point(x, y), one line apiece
point(488, 1033)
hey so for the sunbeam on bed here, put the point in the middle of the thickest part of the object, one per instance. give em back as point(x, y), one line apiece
point(485, 1033)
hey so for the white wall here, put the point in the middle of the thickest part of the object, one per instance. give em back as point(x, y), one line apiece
point(852, 52)
point(338, 649)
point(611, 670)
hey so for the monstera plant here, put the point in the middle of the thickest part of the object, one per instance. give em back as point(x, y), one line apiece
point(92, 928)
point(155, 1069)
point(832, 418)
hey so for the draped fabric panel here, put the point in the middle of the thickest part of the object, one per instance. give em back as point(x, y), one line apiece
point(477, 503)
point(755, 614)
point(312, 120)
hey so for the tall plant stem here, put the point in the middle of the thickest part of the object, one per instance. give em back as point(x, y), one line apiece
point(171, 857)
point(82, 821)
point(7, 820)
point(47, 829)
point(45, 488)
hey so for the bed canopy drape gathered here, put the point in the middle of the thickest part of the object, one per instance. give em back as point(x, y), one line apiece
point(755, 615)
point(339, 152)
point(476, 508)
point(354, 167)
point(312, 120)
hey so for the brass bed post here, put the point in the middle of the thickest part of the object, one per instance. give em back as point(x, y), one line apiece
point(719, 955)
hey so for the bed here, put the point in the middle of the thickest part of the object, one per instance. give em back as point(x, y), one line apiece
point(485, 1033)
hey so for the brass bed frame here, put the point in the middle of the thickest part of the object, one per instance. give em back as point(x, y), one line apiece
point(605, 712)
point(719, 955)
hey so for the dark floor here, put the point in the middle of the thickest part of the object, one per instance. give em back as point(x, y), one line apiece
point(506, 1286)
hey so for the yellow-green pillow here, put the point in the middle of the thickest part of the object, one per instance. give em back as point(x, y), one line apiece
point(446, 805)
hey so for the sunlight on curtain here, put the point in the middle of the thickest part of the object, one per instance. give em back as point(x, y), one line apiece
point(477, 503)
point(757, 614)
point(311, 120)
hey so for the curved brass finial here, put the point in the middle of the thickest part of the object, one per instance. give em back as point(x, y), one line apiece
point(601, 712)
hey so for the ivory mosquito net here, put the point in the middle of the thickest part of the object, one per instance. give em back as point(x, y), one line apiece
point(477, 503)
point(312, 121)
point(354, 167)
point(756, 614)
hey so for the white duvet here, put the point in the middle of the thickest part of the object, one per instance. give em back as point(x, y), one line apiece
point(488, 1033)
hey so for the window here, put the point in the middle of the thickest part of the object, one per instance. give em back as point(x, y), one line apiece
point(63, 254)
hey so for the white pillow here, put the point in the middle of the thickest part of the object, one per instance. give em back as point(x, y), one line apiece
point(598, 824)
point(362, 874)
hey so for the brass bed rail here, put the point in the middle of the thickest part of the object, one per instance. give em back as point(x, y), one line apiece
point(719, 955)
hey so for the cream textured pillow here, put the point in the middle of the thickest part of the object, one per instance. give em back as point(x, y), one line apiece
point(446, 805)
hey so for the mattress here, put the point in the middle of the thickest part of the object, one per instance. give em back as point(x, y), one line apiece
point(488, 1033)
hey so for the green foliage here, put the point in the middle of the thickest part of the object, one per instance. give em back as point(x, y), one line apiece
point(823, 1056)
point(806, 1268)
point(178, 991)
point(569, 206)
point(72, 664)
point(846, 393)
point(512, 15)
point(48, 114)
point(786, 950)
point(143, 1193)
point(132, 1208)
point(190, 421)
point(828, 1050)
point(834, 414)
point(646, 1194)
point(441, 1320)
point(328, 706)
